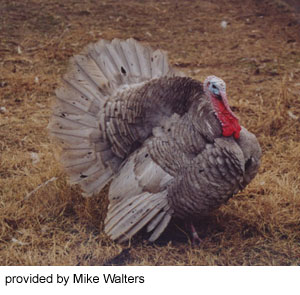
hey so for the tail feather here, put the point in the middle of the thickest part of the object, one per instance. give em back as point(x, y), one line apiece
point(81, 167)
point(96, 75)
point(159, 62)
point(72, 158)
point(117, 53)
point(78, 97)
point(73, 135)
point(73, 122)
point(144, 57)
point(67, 140)
point(80, 92)
point(77, 177)
point(105, 62)
point(130, 54)
point(95, 181)
point(65, 109)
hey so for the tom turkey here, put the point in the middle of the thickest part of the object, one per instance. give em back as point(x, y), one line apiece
point(170, 144)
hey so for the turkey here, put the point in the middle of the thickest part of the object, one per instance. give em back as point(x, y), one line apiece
point(170, 145)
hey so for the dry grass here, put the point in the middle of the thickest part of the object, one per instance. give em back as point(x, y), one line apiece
point(257, 55)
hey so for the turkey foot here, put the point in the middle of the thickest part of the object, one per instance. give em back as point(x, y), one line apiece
point(195, 237)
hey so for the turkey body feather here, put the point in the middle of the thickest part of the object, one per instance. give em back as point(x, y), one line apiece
point(123, 114)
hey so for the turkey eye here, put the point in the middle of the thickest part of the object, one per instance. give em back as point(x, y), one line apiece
point(216, 92)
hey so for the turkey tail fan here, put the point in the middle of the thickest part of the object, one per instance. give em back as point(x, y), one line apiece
point(93, 76)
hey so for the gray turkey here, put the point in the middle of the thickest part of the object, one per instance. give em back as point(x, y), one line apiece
point(170, 144)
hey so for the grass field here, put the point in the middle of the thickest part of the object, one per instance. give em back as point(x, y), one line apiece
point(45, 221)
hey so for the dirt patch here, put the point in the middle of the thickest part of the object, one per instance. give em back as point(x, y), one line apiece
point(44, 221)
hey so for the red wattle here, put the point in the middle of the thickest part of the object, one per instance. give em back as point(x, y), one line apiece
point(233, 129)
point(230, 124)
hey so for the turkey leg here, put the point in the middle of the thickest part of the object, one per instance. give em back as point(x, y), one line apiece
point(195, 238)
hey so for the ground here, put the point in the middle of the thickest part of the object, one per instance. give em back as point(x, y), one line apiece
point(45, 221)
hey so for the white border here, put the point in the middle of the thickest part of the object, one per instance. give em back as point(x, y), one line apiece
point(163, 280)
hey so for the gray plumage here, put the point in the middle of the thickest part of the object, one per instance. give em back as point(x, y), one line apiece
point(124, 114)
